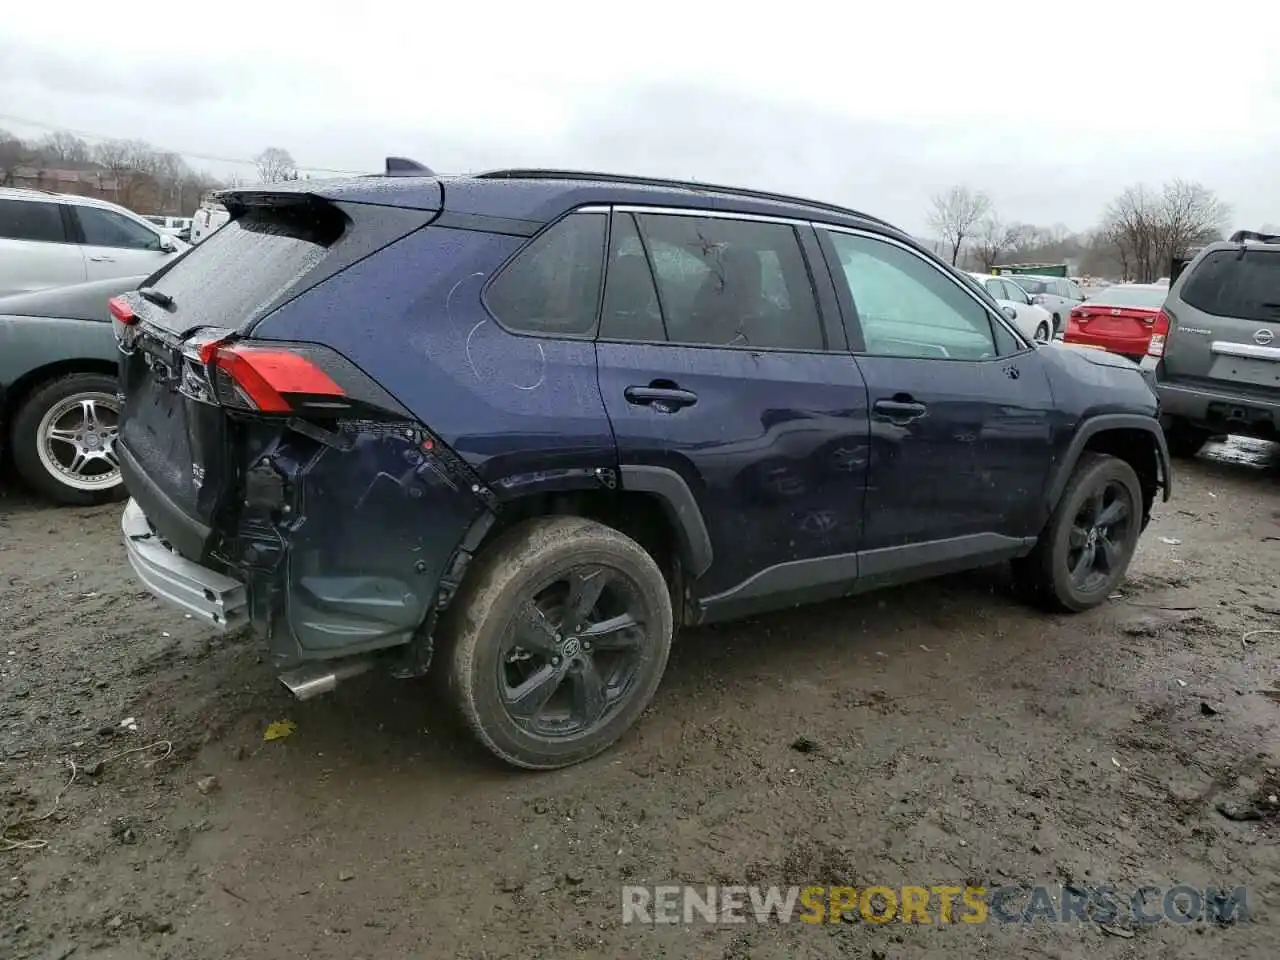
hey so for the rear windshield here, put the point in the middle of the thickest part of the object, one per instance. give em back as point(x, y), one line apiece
point(1227, 283)
point(1152, 297)
point(230, 278)
point(1029, 285)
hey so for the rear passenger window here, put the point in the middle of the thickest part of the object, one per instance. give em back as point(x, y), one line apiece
point(31, 220)
point(1229, 284)
point(631, 310)
point(552, 287)
point(732, 283)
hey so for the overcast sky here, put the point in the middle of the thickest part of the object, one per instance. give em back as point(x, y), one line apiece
point(879, 107)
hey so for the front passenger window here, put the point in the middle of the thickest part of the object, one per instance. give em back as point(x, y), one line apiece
point(906, 307)
point(102, 228)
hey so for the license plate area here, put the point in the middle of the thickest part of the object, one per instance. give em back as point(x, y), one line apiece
point(1251, 370)
point(179, 443)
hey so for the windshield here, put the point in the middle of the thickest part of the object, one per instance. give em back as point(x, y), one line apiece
point(1030, 285)
point(1132, 296)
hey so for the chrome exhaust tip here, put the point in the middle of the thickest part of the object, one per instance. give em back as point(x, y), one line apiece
point(311, 680)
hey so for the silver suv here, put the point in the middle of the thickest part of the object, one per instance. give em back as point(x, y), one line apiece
point(1058, 295)
point(1214, 356)
point(58, 239)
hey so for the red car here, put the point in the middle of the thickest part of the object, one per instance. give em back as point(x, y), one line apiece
point(1119, 319)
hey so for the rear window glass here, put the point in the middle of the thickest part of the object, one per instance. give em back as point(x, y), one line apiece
point(231, 277)
point(1227, 284)
point(1132, 297)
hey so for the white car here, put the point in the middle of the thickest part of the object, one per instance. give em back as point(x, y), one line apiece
point(57, 239)
point(1033, 321)
point(1058, 295)
point(179, 227)
point(209, 217)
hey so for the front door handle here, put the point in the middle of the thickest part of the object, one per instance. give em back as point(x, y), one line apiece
point(667, 399)
point(900, 411)
point(103, 259)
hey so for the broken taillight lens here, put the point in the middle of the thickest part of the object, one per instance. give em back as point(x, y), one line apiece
point(1159, 332)
point(121, 312)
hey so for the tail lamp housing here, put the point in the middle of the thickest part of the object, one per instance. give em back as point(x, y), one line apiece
point(1159, 333)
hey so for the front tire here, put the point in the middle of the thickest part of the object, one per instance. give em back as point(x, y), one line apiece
point(1042, 334)
point(1085, 548)
point(557, 642)
point(64, 440)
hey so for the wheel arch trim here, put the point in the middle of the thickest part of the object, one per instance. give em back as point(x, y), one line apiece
point(681, 508)
point(1102, 423)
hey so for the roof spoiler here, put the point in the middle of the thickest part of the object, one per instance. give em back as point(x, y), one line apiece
point(404, 167)
point(1252, 236)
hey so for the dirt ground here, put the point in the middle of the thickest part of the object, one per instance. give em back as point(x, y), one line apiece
point(950, 736)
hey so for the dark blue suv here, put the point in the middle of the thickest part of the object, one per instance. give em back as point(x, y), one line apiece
point(520, 427)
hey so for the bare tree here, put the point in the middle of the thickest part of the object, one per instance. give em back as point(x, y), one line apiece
point(12, 152)
point(275, 164)
point(956, 214)
point(1149, 228)
point(63, 147)
point(991, 241)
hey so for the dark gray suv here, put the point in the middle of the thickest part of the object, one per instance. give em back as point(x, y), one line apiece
point(1214, 356)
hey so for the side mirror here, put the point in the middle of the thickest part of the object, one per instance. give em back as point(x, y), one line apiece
point(167, 244)
point(1010, 312)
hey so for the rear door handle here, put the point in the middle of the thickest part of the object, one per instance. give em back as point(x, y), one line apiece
point(900, 411)
point(103, 259)
point(671, 398)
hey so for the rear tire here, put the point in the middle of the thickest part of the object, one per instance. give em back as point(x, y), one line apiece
point(64, 438)
point(557, 641)
point(1185, 439)
point(1085, 548)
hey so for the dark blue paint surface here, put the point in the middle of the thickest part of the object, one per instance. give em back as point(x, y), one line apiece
point(511, 406)
point(775, 449)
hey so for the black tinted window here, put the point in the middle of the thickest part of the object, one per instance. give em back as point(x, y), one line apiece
point(631, 310)
point(1227, 284)
point(31, 220)
point(735, 283)
point(552, 287)
point(104, 228)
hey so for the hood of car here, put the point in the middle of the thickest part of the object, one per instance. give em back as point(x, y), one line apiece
point(1092, 355)
point(80, 301)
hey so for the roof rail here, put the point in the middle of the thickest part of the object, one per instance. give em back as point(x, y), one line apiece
point(404, 167)
point(536, 174)
point(1244, 236)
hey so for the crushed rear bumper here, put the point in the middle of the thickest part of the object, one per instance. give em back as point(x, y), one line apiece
point(211, 597)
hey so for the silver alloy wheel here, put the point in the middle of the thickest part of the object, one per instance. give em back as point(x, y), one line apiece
point(76, 441)
point(1043, 334)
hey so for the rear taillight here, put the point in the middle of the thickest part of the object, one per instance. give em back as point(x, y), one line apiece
point(121, 312)
point(1159, 331)
point(265, 379)
point(1079, 315)
point(297, 379)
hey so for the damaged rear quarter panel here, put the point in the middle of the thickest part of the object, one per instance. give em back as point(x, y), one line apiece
point(506, 411)
point(363, 521)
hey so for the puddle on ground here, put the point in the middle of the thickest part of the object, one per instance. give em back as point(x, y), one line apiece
point(1244, 451)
